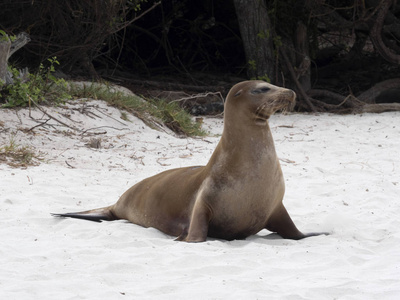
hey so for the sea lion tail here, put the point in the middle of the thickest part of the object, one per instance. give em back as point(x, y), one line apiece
point(96, 215)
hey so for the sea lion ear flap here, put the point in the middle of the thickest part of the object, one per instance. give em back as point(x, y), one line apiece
point(238, 93)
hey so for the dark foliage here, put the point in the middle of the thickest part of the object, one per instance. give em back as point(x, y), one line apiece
point(183, 36)
point(347, 46)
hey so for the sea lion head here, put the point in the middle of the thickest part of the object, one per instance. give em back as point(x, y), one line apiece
point(259, 100)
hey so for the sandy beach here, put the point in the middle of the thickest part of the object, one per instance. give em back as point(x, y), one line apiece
point(342, 175)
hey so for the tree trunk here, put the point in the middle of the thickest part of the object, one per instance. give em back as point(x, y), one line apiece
point(256, 32)
point(5, 45)
point(303, 61)
point(7, 48)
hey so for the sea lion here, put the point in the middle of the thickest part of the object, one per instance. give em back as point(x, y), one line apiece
point(237, 194)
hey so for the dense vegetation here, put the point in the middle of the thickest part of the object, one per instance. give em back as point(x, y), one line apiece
point(339, 55)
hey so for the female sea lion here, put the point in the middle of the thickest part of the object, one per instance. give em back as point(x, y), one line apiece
point(237, 194)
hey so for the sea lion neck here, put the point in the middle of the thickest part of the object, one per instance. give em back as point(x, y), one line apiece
point(248, 137)
point(252, 146)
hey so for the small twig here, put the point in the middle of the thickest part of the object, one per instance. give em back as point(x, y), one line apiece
point(41, 124)
point(287, 160)
point(19, 118)
point(298, 84)
point(345, 100)
point(83, 132)
point(126, 24)
point(162, 158)
point(72, 167)
point(203, 95)
point(85, 110)
point(185, 70)
point(29, 97)
point(54, 118)
point(72, 120)
point(139, 158)
point(110, 116)
point(206, 141)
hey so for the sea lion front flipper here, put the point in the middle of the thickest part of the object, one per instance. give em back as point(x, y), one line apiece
point(198, 228)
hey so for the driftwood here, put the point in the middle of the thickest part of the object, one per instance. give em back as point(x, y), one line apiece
point(350, 103)
point(370, 95)
point(7, 48)
point(378, 108)
point(165, 85)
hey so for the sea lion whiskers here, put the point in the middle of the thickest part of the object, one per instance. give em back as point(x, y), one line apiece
point(283, 103)
point(261, 115)
point(260, 109)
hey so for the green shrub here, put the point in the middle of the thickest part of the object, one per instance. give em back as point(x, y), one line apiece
point(41, 87)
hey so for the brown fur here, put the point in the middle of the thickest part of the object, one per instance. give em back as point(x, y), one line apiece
point(237, 194)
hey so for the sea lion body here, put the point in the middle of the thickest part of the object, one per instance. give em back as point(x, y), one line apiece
point(237, 194)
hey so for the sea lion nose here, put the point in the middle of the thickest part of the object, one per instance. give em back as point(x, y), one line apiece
point(293, 96)
point(290, 94)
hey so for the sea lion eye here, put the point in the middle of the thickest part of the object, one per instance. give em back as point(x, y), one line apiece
point(260, 90)
point(237, 93)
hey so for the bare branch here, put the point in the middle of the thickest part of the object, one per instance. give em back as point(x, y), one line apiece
point(54, 118)
point(21, 40)
point(376, 34)
point(126, 24)
point(369, 95)
point(378, 108)
point(203, 95)
point(299, 87)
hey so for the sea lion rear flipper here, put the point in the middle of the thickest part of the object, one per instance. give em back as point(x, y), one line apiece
point(96, 215)
point(281, 223)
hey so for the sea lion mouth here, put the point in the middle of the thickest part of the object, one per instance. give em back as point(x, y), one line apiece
point(260, 116)
point(265, 110)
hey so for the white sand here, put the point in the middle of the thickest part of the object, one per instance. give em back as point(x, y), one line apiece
point(342, 175)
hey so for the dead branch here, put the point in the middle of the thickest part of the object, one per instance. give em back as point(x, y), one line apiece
point(305, 97)
point(39, 125)
point(69, 165)
point(369, 95)
point(54, 118)
point(104, 132)
point(203, 95)
point(351, 104)
point(176, 86)
point(21, 40)
point(162, 164)
point(126, 24)
point(377, 108)
point(7, 48)
point(318, 93)
point(327, 15)
point(109, 116)
point(376, 34)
